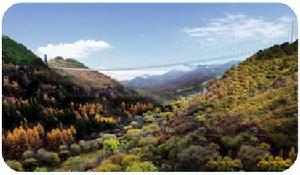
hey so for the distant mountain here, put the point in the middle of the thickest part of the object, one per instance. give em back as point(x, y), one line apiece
point(170, 83)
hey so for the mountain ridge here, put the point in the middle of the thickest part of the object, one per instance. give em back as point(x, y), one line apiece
point(172, 81)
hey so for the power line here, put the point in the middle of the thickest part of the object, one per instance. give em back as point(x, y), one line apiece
point(239, 49)
point(158, 66)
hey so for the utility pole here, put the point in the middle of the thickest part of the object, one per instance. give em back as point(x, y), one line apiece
point(292, 31)
point(45, 59)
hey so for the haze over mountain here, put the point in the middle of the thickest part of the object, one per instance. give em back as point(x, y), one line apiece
point(174, 81)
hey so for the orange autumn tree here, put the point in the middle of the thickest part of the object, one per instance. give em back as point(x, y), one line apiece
point(23, 138)
point(139, 107)
point(88, 111)
point(60, 136)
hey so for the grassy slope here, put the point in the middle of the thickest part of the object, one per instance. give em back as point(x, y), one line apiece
point(17, 53)
point(89, 80)
point(68, 63)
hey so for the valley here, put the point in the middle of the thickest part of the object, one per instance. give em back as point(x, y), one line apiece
point(176, 83)
point(237, 116)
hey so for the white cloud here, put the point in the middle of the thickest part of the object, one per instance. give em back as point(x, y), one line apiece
point(79, 49)
point(239, 27)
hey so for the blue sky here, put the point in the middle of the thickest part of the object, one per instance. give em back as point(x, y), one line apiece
point(128, 35)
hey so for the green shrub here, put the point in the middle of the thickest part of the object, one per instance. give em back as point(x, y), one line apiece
point(200, 118)
point(73, 164)
point(148, 141)
point(135, 150)
point(85, 147)
point(111, 144)
point(101, 140)
point(15, 165)
point(64, 153)
point(94, 144)
point(30, 163)
point(127, 127)
point(47, 157)
point(63, 147)
point(170, 148)
point(133, 133)
point(41, 169)
point(102, 154)
point(231, 142)
point(151, 128)
point(278, 102)
point(149, 118)
point(127, 162)
point(196, 138)
point(75, 149)
point(166, 115)
point(129, 159)
point(194, 157)
point(274, 164)
point(141, 166)
point(134, 124)
point(108, 136)
point(224, 164)
point(250, 155)
point(108, 167)
point(28, 154)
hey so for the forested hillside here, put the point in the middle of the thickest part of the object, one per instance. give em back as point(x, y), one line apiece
point(250, 114)
point(244, 121)
point(42, 108)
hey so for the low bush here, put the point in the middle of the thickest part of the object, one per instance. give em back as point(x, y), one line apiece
point(73, 164)
point(108, 167)
point(15, 165)
point(133, 133)
point(134, 124)
point(111, 144)
point(149, 118)
point(41, 169)
point(85, 147)
point(148, 141)
point(64, 151)
point(94, 144)
point(151, 128)
point(47, 157)
point(141, 166)
point(129, 159)
point(105, 137)
point(30, 163)
point(75, 149)
point(28, 154)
